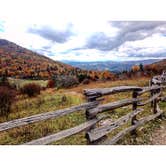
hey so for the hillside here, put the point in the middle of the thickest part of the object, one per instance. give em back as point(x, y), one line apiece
point(20, 62)
point(161, 64)
point(157, 67)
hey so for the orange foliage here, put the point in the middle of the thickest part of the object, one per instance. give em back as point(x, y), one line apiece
point(23, 63)
point(135, 68)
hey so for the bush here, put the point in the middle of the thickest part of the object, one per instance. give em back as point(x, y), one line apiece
point(51, 84)
point(7, 97)
point(82, 77)
point(65, 81)
point(86, 81)
point(4, 81)
point(31, 89)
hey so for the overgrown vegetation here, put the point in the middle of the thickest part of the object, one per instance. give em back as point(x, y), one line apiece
point(51, 84)
point(19, 83)
point(143, 70)
point(51, 100)
point(6, 100)
point(31, 89)
point(65, 81)
point(7, 96)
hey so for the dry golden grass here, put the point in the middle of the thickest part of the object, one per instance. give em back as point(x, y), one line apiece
point(51, 100)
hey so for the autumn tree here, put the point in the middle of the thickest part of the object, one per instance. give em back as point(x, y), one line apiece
point(135, 68)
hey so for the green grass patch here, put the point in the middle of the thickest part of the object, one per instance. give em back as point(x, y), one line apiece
point(21, 82)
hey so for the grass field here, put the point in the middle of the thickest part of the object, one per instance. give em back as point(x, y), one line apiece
point(21, 82)
point(52, 99)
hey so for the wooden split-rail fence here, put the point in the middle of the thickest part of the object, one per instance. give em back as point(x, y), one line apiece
point(96, 132)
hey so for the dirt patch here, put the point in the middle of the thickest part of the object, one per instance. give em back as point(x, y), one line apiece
point(159, 135)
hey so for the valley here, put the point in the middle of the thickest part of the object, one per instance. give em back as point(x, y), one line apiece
point(39, 85)
point(113, 66)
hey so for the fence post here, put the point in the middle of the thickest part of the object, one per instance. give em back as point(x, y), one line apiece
point(88, 118)
point(92, 127)
point(135, 94)
point(86, 113)
point(154, 105)
point(151, 92)
point(154, 102)
point(134, 107)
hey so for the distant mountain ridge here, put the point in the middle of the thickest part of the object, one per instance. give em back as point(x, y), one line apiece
point(112, 66)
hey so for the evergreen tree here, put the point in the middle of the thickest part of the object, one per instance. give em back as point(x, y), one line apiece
point(141, 67)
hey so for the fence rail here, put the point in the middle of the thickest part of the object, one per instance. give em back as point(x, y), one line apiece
point(46, 116)
point(96, 132)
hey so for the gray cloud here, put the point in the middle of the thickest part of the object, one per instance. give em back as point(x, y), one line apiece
point(128, 31)
point(149, 56)
point(100, 41)
point(54, 35)
point(103, 44)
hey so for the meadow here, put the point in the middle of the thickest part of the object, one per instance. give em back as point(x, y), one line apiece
point(55, 99)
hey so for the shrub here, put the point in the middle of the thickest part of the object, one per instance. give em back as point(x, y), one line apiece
point(63, 100)
point(51, 84)
point(86, 81)
point(31, 89)
point(4, 81)
point(7, 97)
point(43, 87)
point(82, 77)
point(65, 81)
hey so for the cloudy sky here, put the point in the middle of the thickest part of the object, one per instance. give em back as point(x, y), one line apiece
point(80, 31)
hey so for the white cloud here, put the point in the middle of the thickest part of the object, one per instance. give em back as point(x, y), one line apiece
point(88, 18)
point(151, 45)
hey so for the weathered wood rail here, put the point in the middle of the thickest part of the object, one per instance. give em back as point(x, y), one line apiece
point(97, 132)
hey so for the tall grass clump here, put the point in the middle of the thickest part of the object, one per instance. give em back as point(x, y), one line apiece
point(7, 97)
point(31, 89)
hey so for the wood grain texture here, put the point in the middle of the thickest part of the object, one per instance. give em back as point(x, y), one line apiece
point(163, 99)
point(121, 134)
point(154, 97)
point(149, 89)
point(99, 132)
point(98, 92)
point(111, 106)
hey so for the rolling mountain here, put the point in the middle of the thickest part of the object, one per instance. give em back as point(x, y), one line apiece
point(159, 66)
point(161, 63)
point(112, 66)
point(19, 62)
point(23, 63)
